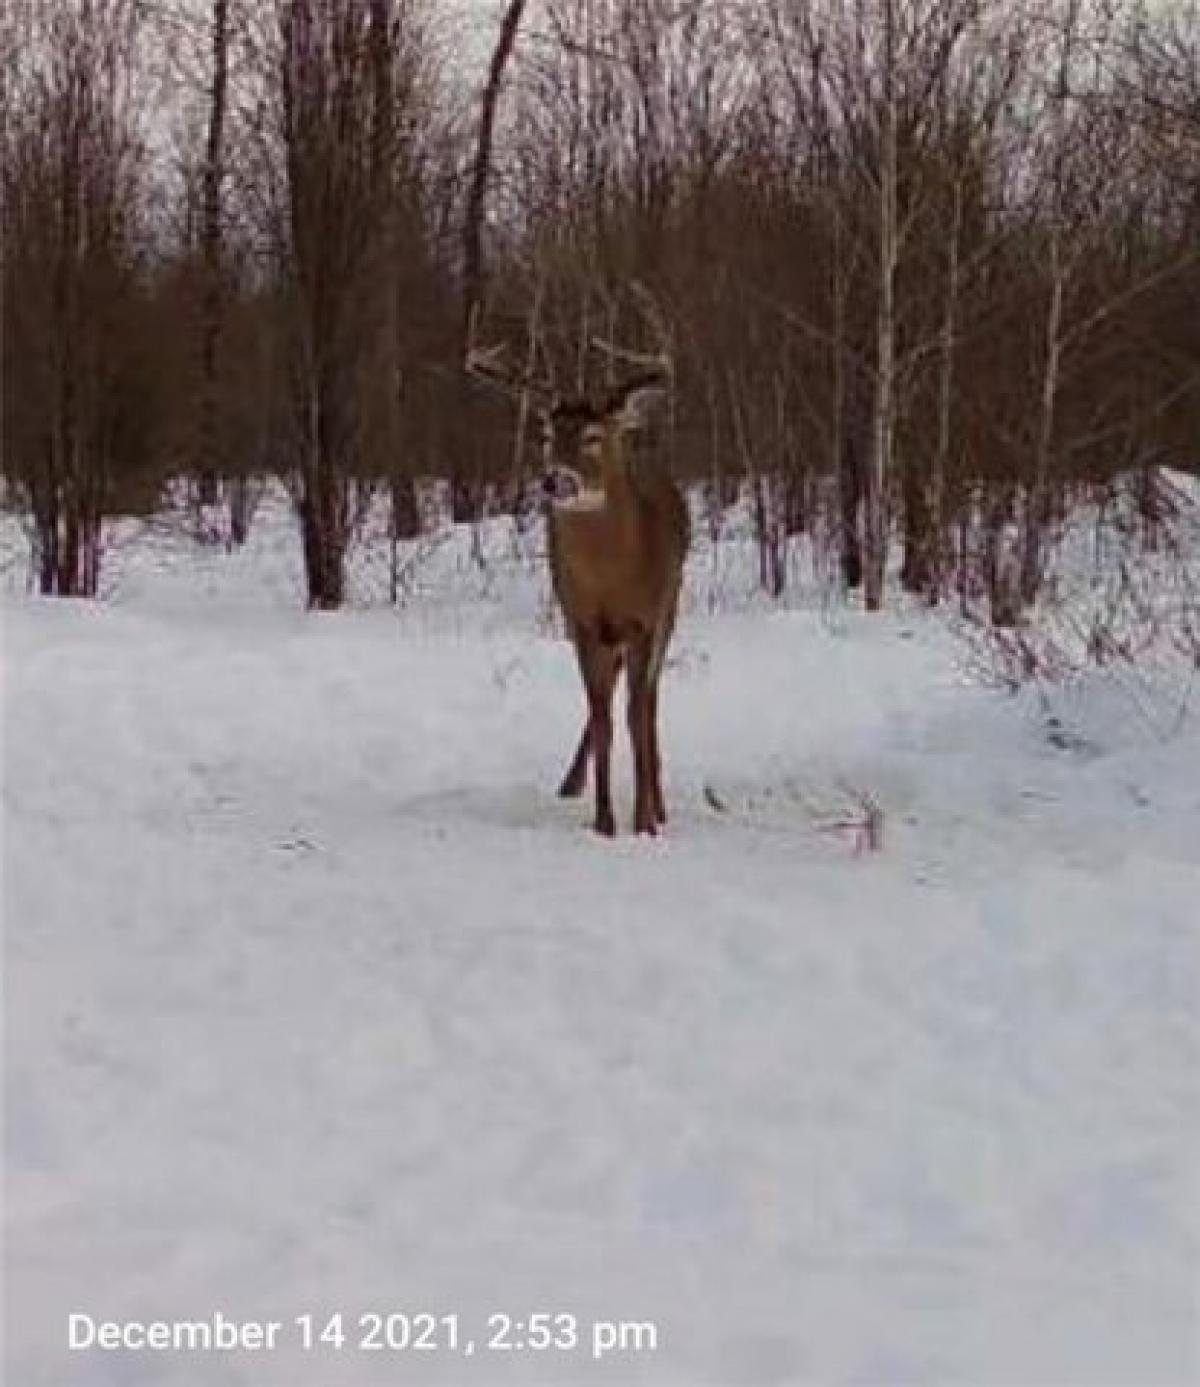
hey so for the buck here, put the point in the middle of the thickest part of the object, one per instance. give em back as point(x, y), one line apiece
point(618, 536)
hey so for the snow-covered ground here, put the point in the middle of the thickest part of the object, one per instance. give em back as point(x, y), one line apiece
point(318, 1001)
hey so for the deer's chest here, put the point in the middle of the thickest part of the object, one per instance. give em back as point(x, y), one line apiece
point(597, 557)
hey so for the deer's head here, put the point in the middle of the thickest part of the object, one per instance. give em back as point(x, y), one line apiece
point(583, 441)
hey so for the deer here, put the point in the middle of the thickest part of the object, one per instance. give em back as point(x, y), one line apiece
point(618, 536)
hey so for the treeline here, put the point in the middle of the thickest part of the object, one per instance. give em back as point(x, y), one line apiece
point(923, 268)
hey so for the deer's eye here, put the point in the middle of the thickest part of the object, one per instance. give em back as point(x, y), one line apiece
point(590, 440)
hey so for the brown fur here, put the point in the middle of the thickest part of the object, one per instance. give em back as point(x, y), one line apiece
point(616, 569)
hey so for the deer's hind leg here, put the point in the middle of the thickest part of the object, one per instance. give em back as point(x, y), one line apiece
point(599, 664)
point(662, 638)
point(645, 814)
point(656, 789)
point(575, 781)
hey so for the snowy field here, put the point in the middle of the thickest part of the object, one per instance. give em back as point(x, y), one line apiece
point(318, 1001)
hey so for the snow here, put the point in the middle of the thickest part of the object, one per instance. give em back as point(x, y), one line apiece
point(318, 1000)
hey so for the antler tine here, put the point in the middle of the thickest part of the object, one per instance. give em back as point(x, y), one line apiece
point(659, 361)
point(662, 360)
point(483, 358)
point(486, 361)
point(487, 364)
point(658, 323)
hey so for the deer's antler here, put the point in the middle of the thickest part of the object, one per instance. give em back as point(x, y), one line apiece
point(488, 364)
point(660, 362)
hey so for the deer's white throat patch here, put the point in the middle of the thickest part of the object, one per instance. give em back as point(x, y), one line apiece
point(587, 498)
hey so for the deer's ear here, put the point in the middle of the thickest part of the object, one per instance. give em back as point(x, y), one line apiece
point(634, 404)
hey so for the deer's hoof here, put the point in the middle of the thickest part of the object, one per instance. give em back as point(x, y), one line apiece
point(649, 826)
point(607, 828)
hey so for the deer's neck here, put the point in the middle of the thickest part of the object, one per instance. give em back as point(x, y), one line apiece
point(613, 495)
point(616, 479)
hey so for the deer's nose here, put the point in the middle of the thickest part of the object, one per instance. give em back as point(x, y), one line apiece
point(560, 483)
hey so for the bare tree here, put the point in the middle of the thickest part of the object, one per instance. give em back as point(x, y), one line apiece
point(929, 267)
point(211, 252)
point(462, 502)
point(76, 418)
point(334, 234)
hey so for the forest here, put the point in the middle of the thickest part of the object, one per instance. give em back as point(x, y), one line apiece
point(927, 272)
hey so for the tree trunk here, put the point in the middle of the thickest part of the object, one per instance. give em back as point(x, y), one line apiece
point(941, 455)
point(854, 432)
point(322, 503)
point(883, 418)
point(406, 512)
point(324, 546)
point(1003, 561)
point(772, 556)
point(239, 511)
point(1037, 513)
point(916, 572)
point(464, 490)
point(210, 236)
point(46, 529)
point(91, 553)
